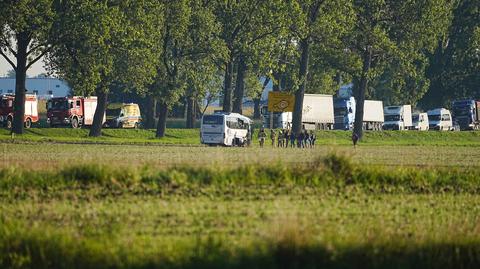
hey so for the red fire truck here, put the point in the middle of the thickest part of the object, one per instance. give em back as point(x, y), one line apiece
point(73, 111)
point(6, 110)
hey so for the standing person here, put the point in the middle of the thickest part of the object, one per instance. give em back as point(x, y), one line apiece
point(354, 140)
point(300, 139)
point(261, 137)
point(272, 137)
point(280, 139)
point(292, 139)
point(313, 138)
point(286, 135)
point(306, 141)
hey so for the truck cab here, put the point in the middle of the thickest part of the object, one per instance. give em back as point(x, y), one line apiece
point(65, 111)
point(6, 110)
point(420, 122)
point(344, 111)
point(467, 114)
point(73, 111)
point(397, 117)
point(123, 116)
point(281, 120)
point(440, 119)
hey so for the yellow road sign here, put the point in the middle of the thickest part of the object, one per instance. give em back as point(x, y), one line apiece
point(280, 102)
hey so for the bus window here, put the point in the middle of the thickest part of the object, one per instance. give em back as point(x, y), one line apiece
point(213, 119)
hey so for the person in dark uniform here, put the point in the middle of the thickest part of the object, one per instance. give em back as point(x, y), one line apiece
point(300, 137)
point(354, 139)
point(292, 138)
point(272, 137)
point(313, 138)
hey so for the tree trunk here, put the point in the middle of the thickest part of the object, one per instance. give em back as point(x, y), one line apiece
point(256, 108)
point(227, 87)
point(276, 87)
point(162, 119)
point(239, 87)
point(20, 77)
point(360, 94)
point(191, 111)
point(298, 109)
point(96, 129)
point(150, 113)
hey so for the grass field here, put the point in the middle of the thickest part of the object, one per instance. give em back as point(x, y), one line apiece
point(127, 200)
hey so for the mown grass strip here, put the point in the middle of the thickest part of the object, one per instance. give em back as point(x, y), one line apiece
point(332, 171)
point(191, 137)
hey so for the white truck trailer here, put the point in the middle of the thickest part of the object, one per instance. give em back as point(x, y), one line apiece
point(398, 117)
point(373, 115)
point(317, 114)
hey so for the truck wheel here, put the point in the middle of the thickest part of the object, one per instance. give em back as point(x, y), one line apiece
point(136, 126)
point(120, 125)
point(28, 123)
point(9, 123)
point(75, 124)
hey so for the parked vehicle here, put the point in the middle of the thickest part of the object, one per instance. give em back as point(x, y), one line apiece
point(398, 117)
point(6, 110)
point(345, 114)
point(420, 122)
point(123, 116)
point(440, 119)
point(227, 129)
point(73, 111)
point(467, 114)
point(317, 114)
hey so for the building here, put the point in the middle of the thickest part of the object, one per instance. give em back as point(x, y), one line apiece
point(43, 87)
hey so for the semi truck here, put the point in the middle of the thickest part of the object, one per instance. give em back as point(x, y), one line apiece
point(467, 114)
point(317, 114)
point(398, 117)
point(345, 108)
point(120, 115)
point(75, 111)
point(440, 119)
point(6, 110)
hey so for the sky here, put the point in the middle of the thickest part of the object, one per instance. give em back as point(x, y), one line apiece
point(36, 69)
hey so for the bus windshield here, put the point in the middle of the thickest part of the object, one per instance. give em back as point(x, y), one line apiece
point(213, 119)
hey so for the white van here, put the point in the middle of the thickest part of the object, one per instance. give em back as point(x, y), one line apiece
point(227, 129)
point(420, 122)
point(440, 119)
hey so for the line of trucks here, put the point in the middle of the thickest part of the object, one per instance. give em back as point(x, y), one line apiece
point(326, 112)
point(75, 111)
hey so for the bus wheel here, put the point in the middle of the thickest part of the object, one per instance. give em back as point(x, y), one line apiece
point(28, 123)
point(75, 124)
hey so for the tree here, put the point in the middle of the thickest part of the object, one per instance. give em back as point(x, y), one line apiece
point(454, 65)
point(24, 29)
point(246, 24)
point(386, 31)
point(189, 38)
point(106, 44)
point(320, 21)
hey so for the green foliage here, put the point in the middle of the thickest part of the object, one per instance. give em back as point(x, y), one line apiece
point(100, 44)
point(454, 65)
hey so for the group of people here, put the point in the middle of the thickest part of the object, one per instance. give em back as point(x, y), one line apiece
point(286, 138)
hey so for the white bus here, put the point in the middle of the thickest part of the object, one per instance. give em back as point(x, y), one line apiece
point(228, 129)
